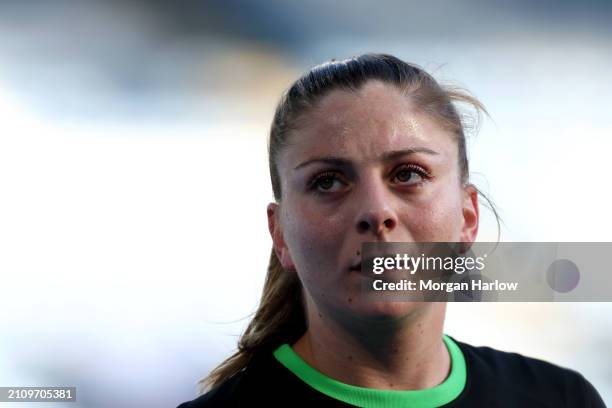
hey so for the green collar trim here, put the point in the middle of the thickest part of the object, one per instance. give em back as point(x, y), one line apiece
point(371, 398)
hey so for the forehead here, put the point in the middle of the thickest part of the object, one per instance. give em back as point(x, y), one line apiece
point(366, 123)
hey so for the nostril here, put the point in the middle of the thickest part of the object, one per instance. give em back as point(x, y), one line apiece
point(363, 226)
point(389, 223)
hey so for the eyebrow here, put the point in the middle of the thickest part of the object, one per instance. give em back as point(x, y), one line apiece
point(340, 161)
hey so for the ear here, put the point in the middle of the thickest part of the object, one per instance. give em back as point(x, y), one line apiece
point(470, 213)
point(278, 241)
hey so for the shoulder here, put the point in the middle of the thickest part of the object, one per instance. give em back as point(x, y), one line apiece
point(223, 395)
point(529, 378)
point(249, 385)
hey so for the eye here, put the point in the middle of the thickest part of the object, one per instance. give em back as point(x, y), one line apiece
point(410, 174)
point(327, 182)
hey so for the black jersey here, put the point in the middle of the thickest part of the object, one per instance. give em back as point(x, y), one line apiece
point(479, 377)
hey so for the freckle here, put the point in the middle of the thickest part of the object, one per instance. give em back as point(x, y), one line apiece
point(350, 300)
point(350, 357)
point(395, 350)
point(358, 253)
point(320, 315)
point(391, 385)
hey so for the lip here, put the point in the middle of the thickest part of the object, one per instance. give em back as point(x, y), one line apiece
point(356, 265)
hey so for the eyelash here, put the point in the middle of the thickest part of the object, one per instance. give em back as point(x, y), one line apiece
point(415, 168)
point(313, 184)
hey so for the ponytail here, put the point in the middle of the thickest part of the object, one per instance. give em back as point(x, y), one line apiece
point(279, 319)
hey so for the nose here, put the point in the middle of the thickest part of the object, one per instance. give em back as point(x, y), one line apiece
point(376, 214)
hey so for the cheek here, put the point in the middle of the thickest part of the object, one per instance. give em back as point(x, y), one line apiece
point(437, 219)
point(314, 239)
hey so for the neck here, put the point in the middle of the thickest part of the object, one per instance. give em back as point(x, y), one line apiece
point(406, 353)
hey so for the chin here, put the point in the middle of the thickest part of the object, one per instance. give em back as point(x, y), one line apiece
point(386, 310)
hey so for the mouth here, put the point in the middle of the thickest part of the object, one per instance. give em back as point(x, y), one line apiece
point(356, 265)
point(368, 262)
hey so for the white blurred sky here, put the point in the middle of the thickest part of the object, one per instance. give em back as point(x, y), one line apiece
point(129, 241)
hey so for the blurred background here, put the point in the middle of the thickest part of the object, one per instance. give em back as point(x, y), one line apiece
point(133, 165)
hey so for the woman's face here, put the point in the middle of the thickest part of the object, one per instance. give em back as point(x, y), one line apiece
point(365, 166)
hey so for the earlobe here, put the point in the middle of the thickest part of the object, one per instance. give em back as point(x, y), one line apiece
point(278, 241)
point(271, 211)
point(274, 228)
point(471, 214)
